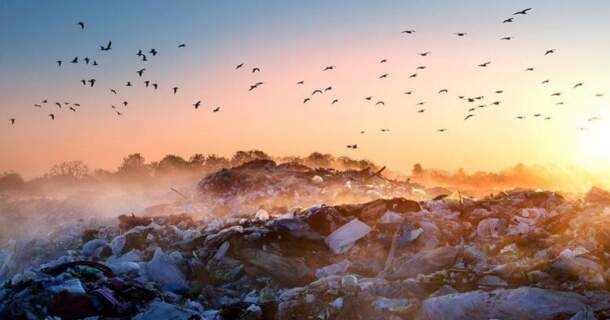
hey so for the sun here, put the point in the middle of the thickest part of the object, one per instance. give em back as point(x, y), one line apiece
point(594, 143)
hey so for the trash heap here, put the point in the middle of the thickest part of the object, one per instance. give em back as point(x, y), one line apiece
point(515, 255)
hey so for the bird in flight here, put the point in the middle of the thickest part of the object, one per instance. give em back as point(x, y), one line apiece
point(141, 71)
point(301, 82)
point(153, 52)
point(81, 24)
point(599, 95)
point(92, 82)
point(144, 58)
point(128, 84)
point(107, 47)
point(469, 116)
point(305, 100)
point(87, 60)
point(352, 146)
point(256, 69)
point(508, 20)
point(95, 63)
point(335, 101)
point(545, 81)
point(84, 82)
point(443, 91)
point(182, 45)
point(118, 113)
point(421, 67)
point(216, 109)
point(441, 130)
point(384, 130)
point(421, 110)
point(580, 84)
point(385, 75)
point(424, 54)
point(408, 92)
point(506, 38)
point(328, 88)
point(197, 104)
point(316, 91)
point(556, 94)
point(380, 103)
point(59, 62)
point(421, 103)
point(520, 117)
point(549, 52)
point(499, 91)
point(75, 60)
point(408, 31)
point(147, 83)
point(254, 86)
point(524, 11)
point(175, 90)
point(37, 106)
point(485, 64)
point(58, 104)
point(496, 103)
point(72, 108)
point(139, 54)
point(239, 66)
point(113, 91)
point(383, 61)
point(156, 86)
point(52, 116)
point(125, 103)
point(529, 69)
point(329, 68)
point(12, 121)
point(368, 98)
point(413, 75)
point(460, 34)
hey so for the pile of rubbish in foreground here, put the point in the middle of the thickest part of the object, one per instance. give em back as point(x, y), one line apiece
point(514, 255)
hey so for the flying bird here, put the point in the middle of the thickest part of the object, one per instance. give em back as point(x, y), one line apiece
point(12, 121)
point(424, 54)
point(545, 81)
point(113, 91)
point(37, 106)
point(107, 47)
point(256, 69)
point(383, 61)
point(421, 68)
point(81, 24)
point(368, 98)
point(335, 101)
point(147, 83)
point(59, 62)
point(413, 75)
point(443, 91)
point(156, 86)
point(118, 113)
point(469, 116)
point(305, 100)
point(175, 90)
point(508, 20)
point(520, 117)
point(599, 94)
point(182, 45)
point(141, 71)
point(549, 52)
point(421, 110)
point(485, 64)
point(239, 66)
point(95, 63)
point(460, 34)
point(385, 75)
point(380, 103)
point(409, 92)
point(506, 38)
point(197, 104)
point(408, 31)
point(529, 69)
point(441, 130)
point(496, 103)
point(556, 94)
point(329, 68)
point(153, 52)
point(352, 146)
point(84, 82)
point(499, 91)
point(125, 103)
point(71, 108)
point(316, 91)
point(75, 60)
point(580, 84)
point(58, 104)
point(301, 82)
point(87, 60)
point(524, 11)
point(139, 54)
point(92, 82)
point(216, 109)
point(144, 58)
point(421, 103)
point(328, 88)
point(128, 84)
point(52, 116)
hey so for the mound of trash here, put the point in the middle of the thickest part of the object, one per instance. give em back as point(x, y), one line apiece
point(514, 255)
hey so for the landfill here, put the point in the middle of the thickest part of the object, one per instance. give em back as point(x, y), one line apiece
point(401, 254)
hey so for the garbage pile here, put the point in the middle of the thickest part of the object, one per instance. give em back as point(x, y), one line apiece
point(280, 187)
point(514, 255)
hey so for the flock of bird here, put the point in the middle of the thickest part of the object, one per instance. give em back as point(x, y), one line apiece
point(475, 102)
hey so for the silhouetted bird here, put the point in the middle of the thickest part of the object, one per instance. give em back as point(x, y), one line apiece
point(385, 75)
point(74, 110)
point(421, 103)
point(520, 117)
point(52, 116)
point(529, 69)
point(545, 81)
point(335, 101)
point(182, 45)
point(216, 109)
point(156, 86)
point(441, 130)
point(94, 63)
point(84, 82)
point(421, 68)
point(153, 52)
point(128, 84)
point(443, 91)
point(139, 54)
point(92, 82)
point(424, 54)
point(107, 47)
point(499, 91)
point(37, 106)
point(329, 68)
point(87, 60)
point(408, 92)
point(316, 91)
point(147, 83)
point(75, 60)
point(380, 103)
point(301, 82)
point(118, 113)
point(485, 64)
point(408, 31)
point(460, 34)
point(496, 103)
point(413, 75)
point(175, 90)
point(239, 66)
point(469, 116)
point(125, 103)
point(113, 91)
point(58, 104)
point(352, 146)
point(524, 11)
point(556, 94)
point(305, 100)
point(384, 130)
point(12, 121)
point(141, 71)
point(44, 101)
point(256, 69)
point(506, 38)
point(549, 51)
point(368, 98)
point(599, 94)
point(508, 20)
point(580, 84)
point(144, 58)
point(81, 24)
point(59, 62)
point(383, 61)
point(421, 110)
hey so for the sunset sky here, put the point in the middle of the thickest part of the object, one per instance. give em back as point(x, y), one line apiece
point(292, 41)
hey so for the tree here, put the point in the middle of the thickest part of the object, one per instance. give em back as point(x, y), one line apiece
point(133, 164)
point(11, 180)
point(171, 163)
point(72, 170)
point(246, 156)
point(417, 170)
point(197, 161)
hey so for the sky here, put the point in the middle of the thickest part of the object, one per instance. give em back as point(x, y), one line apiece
point(292, 41)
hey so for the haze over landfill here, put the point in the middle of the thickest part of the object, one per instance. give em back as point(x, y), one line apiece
point(259, 160)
